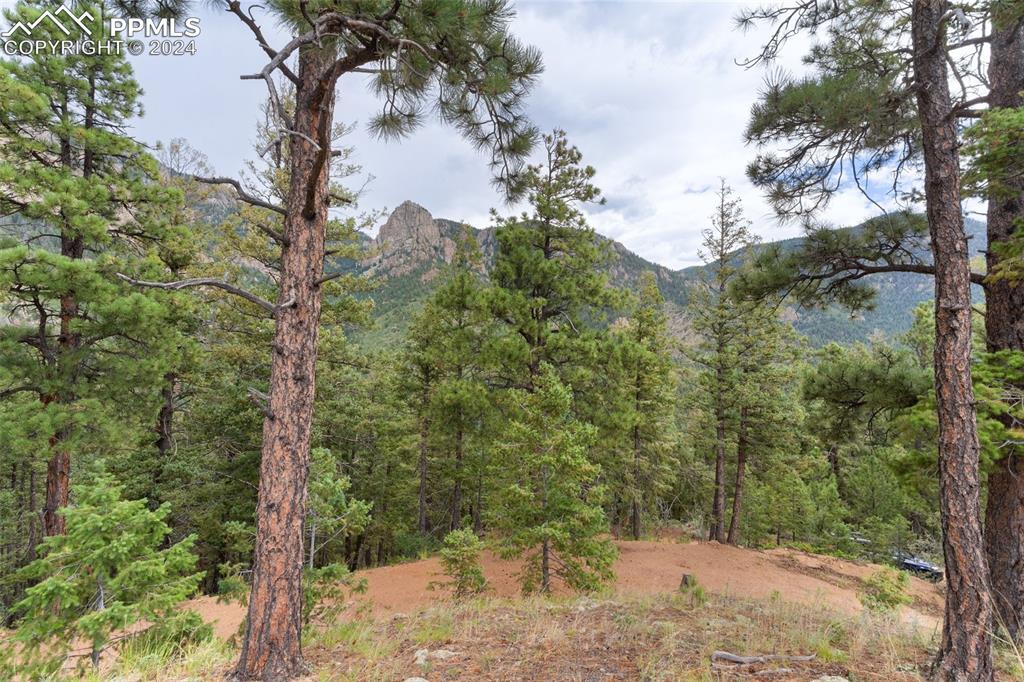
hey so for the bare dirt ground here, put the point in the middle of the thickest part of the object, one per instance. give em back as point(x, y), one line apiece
point(643, 569)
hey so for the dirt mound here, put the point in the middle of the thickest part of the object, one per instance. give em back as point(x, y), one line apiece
point(643, 568)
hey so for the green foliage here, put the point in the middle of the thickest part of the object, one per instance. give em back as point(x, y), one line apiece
point(548, 507)
point(331, 514)
point(113, 569)
point(325, 590)
point(546, 275)
point(694, 592)
point(460, 558)
point(85, 356)
point(636, 423)
point(467, 67)
point(885, 591)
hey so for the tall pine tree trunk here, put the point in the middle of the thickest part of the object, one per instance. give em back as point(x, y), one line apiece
point(718, 503)
point(58, 468)
point(1004, 530)
point(741, 473)
point(965, 652)
point(272, 648)
point(1004, 330)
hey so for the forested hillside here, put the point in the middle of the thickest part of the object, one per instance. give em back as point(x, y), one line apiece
point(224, 407)
point(412, 246)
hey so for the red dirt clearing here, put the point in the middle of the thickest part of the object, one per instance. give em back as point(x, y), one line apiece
point(643, 568)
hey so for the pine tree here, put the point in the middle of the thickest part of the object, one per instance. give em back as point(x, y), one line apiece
point(867, 103)
point(767, 411)
point(715, 316)
point(547, 292)
point(548, 508)
point(462, 329)
point(453, 55)
point(547, 277)
point(86, 202)
point(641, 401)
point(112, 569)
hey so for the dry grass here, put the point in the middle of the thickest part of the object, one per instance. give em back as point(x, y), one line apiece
point(669, 637)
point(659, 638)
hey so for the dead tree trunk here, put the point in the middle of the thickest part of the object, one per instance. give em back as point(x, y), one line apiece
point(272, 647)
point(965, 652)
point(741, 473)
point(1004, 330)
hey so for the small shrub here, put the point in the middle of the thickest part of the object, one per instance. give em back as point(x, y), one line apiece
point(885, 591)
point(112, 568)
point(324, 591)
point(460, 557)
point(698, 596)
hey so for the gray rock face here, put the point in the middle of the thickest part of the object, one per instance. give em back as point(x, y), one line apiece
point(410, 238)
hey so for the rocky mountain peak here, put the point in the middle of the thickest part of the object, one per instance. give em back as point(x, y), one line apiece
point(410, 239)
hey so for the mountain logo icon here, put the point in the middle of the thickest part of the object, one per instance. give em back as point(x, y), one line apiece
point(54, 18)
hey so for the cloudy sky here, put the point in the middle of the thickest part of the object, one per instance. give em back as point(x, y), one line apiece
point(650, 92)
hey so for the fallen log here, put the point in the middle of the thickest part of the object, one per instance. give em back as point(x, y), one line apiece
point(754, 660)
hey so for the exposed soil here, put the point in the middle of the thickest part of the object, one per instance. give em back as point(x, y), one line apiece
point(643, 568)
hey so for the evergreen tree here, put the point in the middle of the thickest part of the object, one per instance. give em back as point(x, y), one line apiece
point(767, 410)
point(462, 330)
point(113, 569)
point(548, 507)
point(547, 277)
point(715, 316)
point(84, 359)
point(641, 401)
point(457, 53)
point(547, 292)
point(869, 104)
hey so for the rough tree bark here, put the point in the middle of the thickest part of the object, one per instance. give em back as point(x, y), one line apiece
point(1004, 528)
point(741, 474)
point(1004, 330)
point(165, 417)
point(965, 652)
point(272, 647)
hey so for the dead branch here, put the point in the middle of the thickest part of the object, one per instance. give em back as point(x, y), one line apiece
point(235, 7)
point(208, 282)
point(241, 193)
point(754, 660)
point(260, 400)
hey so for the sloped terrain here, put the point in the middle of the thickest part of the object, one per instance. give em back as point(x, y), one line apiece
point(643, 569)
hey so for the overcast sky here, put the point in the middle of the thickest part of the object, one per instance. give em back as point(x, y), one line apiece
point(650, 92)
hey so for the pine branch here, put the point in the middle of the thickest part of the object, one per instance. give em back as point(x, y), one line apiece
point(210, 282)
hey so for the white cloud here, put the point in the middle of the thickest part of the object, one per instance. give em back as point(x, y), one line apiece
point(650, 92)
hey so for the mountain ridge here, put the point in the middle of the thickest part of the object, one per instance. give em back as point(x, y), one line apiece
point(412, 247)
